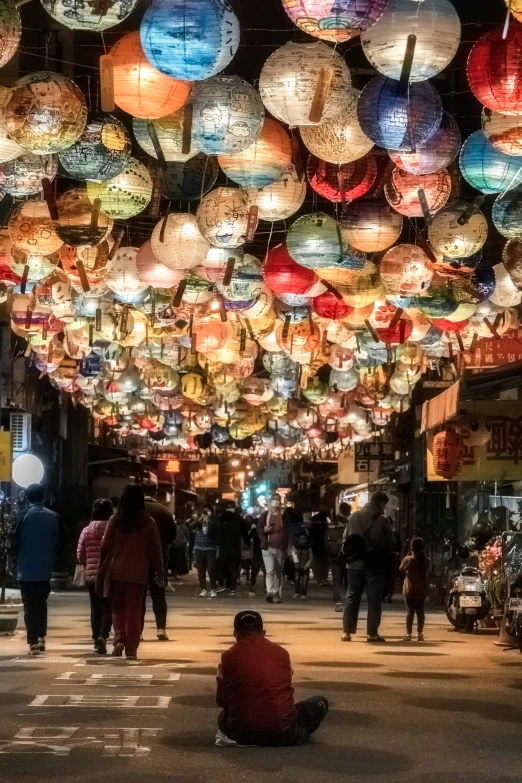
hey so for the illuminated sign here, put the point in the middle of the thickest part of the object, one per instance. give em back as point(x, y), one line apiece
point(172, 466)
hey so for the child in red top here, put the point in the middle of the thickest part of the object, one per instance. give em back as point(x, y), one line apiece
point(415, 567)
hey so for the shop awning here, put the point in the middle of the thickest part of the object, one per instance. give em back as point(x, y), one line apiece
point(441, 408)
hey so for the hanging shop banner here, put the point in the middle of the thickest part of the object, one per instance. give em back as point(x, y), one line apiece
point(498, 460)
point(368, 452)
point(490, 352)
point(6, 456)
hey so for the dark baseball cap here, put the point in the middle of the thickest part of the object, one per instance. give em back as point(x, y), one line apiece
point(248, 622)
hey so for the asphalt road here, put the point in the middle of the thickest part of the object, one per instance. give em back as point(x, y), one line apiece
point(448, 709)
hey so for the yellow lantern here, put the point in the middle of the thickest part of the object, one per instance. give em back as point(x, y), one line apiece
point(192, 386)
point(169, 131)
point(125, 195)
point(75, 224)
point(9, 149)
point(32, 230)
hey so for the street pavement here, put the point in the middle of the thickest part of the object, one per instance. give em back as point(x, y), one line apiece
point(447, 709)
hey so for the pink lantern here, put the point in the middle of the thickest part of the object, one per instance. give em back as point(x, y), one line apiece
point(152, 272)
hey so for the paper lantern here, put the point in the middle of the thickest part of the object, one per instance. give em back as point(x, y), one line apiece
point(23, 176)
point(139, 88)
point(178, 243)
point(45, 113)
point(214, 266)
point(222, 217)
point(192, 386)
point(340, 139)
point(328, 305)
point(435, 153)
point(512, 260)
point(154, 273)
point(486, 168)
point(506, 294)
point(32, 230)
point(402, 188)
point(125, 195)
point(78, 15)
point(190, 39)
point(446, 236)
point(281, 199)
point(39, 267)
point(436, 25)
point(190, 180)
point(336, 23)
point(10, 31)
point(371, 225)
point(494, 69)
point(102, 151)
point(388, 329)
point(9, 149)
point(300, 338)
point(227, 115)
point(169, 131)
point(315, 241)
point(355, 178)
point(406, 270)
point(123, 277)
point(75, 225)
point(284, 276)
point(246, 282)
point(398, 120)
point(507, 213)
point(448, 454)
point(503, 131)
point(474, 429)
point(289, 79)
point(264, 161)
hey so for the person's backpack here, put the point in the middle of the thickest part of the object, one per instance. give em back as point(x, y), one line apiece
point(357, 547)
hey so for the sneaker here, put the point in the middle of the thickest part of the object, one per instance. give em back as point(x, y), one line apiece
point(213, 594)
point(222, 741)
point(303, 598)
point(101, 646)
point(269, 598)
point(251, 594)
point(406, 637)
point(277, 600)
point(231, 592)
point(41, 643)
point(338, 607)
point(323, 701)
point(221, 589)
point(420, 637)
point(346, 637)
point(34, 649)
point(117, 650)
point(203, 594)
point(376, 639)
point(296, 596)
point(162, 635)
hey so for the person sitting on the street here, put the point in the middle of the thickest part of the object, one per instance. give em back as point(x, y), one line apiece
point(254, 690)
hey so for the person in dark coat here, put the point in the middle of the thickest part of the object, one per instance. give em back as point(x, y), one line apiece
point(415, 568)
point(318, 542)
point(167, 532)
point(36, 539)
point(232, 534)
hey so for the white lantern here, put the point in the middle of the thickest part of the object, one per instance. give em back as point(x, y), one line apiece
point(281, 199)
point(125, 195)
point(222, 217)
point(289, 79)
point(27, 469)
point(339, 139)
point(453, 240)
point(505, 293)
point(123, 277)
point(178, 243)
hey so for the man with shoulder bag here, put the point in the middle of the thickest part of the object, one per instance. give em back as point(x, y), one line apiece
point(367, 547)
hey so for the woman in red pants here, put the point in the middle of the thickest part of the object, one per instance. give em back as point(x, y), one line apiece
point(130, 547)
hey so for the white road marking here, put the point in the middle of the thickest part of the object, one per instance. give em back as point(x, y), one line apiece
point(120, 680)
point(114, 702)
point(42, 659)
point(61, 740)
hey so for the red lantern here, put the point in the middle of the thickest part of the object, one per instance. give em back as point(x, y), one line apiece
point(449, 326)
point(448, 454)
point(354, 178)
point(390, 329)
point(402, 191)
point(284, 276)
point(495, 70)
point(327, 305)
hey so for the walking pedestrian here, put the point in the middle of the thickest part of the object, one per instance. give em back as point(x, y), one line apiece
point(167, 533)
point(320, 560)
point(131, 547)
point(205, 550)
point(273, 530)
point(232, 534)
point(88, 554)
point(334, 546)
point(415, 568)
point(369, 542)
point(36, 539)
point(302, 557)
point(254, 690)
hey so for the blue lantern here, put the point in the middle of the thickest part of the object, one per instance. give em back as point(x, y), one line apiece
point(486, 168)
point(507, 213)
point(189, 39)
point(397, 120)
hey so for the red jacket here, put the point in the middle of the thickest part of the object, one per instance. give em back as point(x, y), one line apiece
point(89, 548)
point(254, 685)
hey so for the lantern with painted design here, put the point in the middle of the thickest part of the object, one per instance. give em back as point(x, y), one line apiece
point(451, 239)
point(32, 230)
point(315, 241)
point(263, 161)
point(123, 277)
point(125, 195)
point(102, 151)
point(402, 191)
point(487, 168)
point(95, 16)
point(23, 175)
point(177, 241)
point(335, 23)
point(341, 138)
point(346, 182)
point(222, 217)
point(433, 154)
point(406, 270)
point(281, 199)
point(78, 223)
point(504, 131)
point(169, 132)
point(371, 225)
point(448, 454)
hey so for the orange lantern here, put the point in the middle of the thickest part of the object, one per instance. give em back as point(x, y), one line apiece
point(448, 454)
point(402, 191)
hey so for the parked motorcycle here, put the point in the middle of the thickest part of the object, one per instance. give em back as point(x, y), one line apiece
point(466, 602)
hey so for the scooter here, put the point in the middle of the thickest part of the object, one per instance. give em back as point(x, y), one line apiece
point(466, 602)
point(514, 611)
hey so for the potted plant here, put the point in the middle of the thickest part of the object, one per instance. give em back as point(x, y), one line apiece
point(9, 607)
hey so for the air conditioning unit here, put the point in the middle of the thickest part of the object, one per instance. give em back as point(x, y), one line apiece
point(20, 430)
